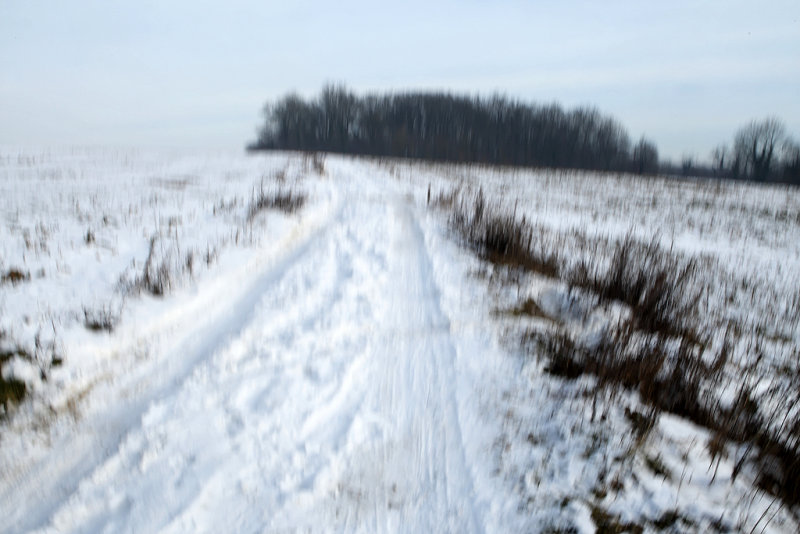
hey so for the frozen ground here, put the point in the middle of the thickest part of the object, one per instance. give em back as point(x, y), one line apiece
point(341, 368)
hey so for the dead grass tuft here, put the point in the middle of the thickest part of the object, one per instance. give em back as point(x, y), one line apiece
point(12, 390)
point(284, 200)
point(102, 319)
point(608, 523)
point(528, 308)
point(156, 276)
point(502, 239)
point(15, 276)
point(658, 286)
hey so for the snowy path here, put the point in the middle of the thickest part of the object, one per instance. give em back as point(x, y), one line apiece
point(320, 397)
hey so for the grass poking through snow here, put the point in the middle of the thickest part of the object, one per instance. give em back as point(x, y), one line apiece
point(660, 348)
point(501, 238)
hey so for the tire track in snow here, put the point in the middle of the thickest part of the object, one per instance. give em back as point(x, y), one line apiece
point(419, 378)
point(92, 449)
point(313, 361)
point(402, 468)
point(326, 404)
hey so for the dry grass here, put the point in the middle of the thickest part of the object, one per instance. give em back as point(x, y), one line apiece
point(12, 391)
point(501, 238)
point(669, 376)
point(156, 276)
point(661, 349)
point(283, 199)
point(657, 285)
point(607, 523)
point(163, 264)
point(102, 319)
point(14, 276)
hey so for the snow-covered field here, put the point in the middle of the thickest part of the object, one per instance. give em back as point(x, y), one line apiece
point(343, 367)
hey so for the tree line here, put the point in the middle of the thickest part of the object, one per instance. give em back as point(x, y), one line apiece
point(499, 130)
point(446, 127)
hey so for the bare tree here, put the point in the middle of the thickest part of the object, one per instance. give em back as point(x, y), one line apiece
point(687, 164)
point(645, 157)
point(791, 162)
point(721, 160)
point(755, 147)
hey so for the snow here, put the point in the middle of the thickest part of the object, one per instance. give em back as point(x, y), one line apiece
point(338, 369)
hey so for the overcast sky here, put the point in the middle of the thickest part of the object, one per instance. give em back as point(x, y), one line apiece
point(196, 73)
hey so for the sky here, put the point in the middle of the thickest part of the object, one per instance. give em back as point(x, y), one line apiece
point(686, 74)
